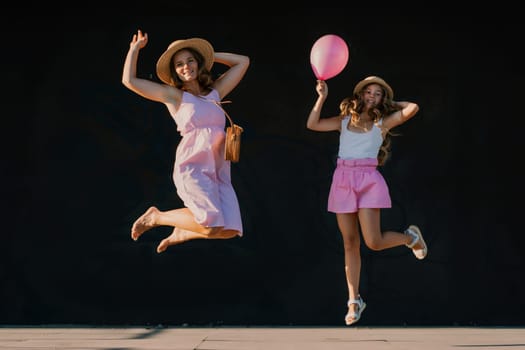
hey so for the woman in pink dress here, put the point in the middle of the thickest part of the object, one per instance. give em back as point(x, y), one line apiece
point(201, 174)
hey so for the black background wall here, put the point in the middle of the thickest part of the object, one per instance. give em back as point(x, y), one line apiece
point(83, 157)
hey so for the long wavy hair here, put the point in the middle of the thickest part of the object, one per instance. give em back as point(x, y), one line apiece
point(353, 106)
point(204, 76)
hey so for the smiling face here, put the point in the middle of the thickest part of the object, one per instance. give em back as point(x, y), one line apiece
point(373, 95)
point(186, 65)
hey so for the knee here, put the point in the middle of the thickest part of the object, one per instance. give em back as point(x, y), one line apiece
point(224, 234)
point(228, 233)
point(374, 243)
point(352, 243)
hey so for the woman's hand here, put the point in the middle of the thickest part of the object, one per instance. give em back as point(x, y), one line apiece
point(322, 88)
point(139, 40)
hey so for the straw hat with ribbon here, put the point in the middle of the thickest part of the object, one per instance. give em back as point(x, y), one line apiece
point(374, 80)
point(200, 45)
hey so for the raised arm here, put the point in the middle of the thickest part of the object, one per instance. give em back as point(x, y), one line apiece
point(231, 78)
point(314, 121)
point(407, 110)
point(143, 87)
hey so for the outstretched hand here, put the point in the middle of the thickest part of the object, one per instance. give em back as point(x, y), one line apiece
point(140, 39)
point(322, 88)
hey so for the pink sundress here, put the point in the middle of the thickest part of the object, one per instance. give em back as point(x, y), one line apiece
point(201, 175)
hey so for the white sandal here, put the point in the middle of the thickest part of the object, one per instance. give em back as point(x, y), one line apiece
point(414, 232)
point(354, 316)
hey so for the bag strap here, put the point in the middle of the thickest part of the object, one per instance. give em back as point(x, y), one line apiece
point(218, 104)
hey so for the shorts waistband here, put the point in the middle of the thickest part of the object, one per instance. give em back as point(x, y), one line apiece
point(365, 163)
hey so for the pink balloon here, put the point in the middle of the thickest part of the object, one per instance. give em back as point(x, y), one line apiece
point(328, 56)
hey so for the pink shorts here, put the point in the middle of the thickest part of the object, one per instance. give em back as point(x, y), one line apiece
point(357, 183)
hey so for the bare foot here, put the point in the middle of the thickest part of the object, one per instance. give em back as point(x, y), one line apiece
point(177, 236)
point(144, 223)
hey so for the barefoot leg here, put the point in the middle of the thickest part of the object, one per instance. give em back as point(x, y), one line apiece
point(178, 236)
point(145, 222)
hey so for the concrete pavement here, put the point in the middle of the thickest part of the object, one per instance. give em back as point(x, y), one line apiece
point(260, 338)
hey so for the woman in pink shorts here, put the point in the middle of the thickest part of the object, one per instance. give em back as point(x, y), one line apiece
point(358, 190)
point(201, 174)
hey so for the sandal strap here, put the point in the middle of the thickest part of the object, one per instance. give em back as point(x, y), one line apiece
point(359, 302)
point(414, 242)
point(415, 236)
point(354, 316)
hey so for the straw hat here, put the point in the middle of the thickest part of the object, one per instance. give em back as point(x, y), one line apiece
point(374, 80)
point(200, 45)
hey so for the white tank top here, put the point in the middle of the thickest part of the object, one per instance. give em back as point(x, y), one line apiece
point(356, 145)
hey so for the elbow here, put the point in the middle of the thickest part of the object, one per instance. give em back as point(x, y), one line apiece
point(245, 61)
point(310, 126)
point(236, 60)
point(412, 111)
point(416, 109)
point(128, 83)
